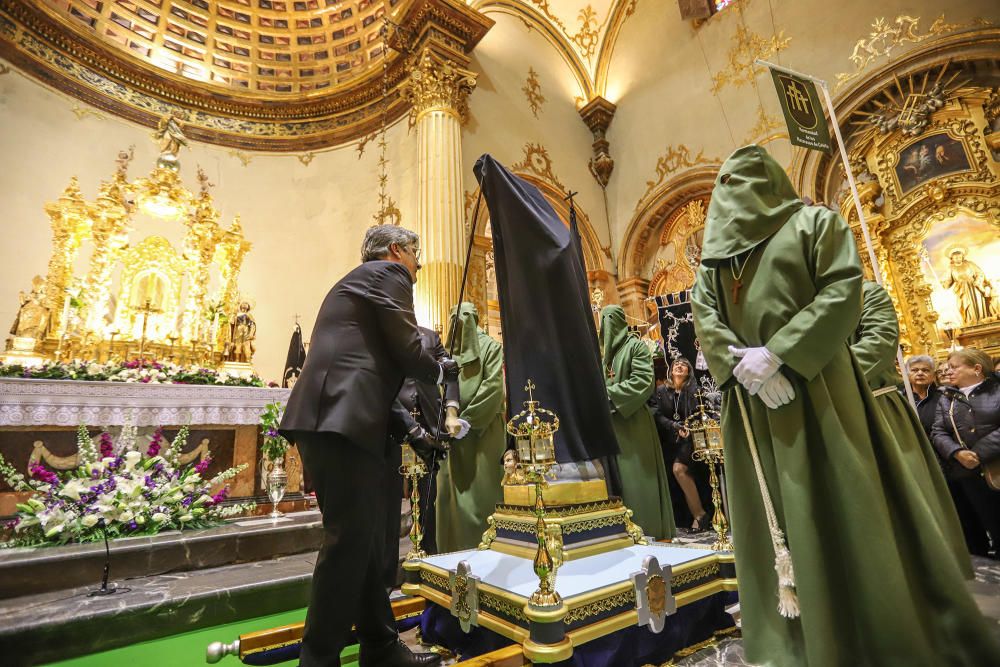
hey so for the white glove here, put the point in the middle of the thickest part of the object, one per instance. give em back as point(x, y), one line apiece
point(756, 366)
point(451, 422)
point(463, 431)
point(776, 391)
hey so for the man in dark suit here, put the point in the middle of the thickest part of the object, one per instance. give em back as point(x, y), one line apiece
point(364, 342)
point(419, 409)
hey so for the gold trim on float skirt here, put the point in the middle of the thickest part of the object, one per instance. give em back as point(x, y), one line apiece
point(483, 619)
point(545, 653)
point(563, 493)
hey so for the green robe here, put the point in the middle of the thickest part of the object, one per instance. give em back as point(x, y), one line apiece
point(877, 584)
point(469, 480)
point(874, 346)
point(629, 377)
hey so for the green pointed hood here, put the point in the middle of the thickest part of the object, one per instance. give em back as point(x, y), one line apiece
point(467, 331)
point(613, 333)
point(752, 198)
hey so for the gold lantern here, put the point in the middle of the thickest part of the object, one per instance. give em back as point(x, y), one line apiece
point(534, 429)
point(706, 437)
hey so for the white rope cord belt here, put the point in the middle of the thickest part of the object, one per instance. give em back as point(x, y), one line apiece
point(788, 601)
point(883, 391)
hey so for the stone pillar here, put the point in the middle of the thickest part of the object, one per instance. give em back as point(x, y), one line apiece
point(437, 89)
point(632, 296)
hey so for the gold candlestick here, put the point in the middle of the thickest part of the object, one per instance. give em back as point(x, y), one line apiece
point(413, 469)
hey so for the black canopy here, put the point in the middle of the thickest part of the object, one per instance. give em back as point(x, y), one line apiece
point(548, 326)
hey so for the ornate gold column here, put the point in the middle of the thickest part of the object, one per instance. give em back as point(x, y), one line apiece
point(203, 233)
point(70, 217)
point(109, 234)
point(445, 32)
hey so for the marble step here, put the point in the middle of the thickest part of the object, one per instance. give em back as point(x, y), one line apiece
point(29, 571)
point(46, 627)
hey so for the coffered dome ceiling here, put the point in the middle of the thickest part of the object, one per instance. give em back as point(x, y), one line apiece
point(267, 48)
point(276, 75)
point(272, 75)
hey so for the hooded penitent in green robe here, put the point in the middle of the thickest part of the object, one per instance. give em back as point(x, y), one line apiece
point(469, 479)
point(628, 372)
point(877, 583)
point(874, 346)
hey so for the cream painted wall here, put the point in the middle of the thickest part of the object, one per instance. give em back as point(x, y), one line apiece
point(501, 122)
point(305, 222)
point(661, 84)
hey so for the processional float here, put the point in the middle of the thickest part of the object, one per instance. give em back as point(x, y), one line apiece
point(562, 568)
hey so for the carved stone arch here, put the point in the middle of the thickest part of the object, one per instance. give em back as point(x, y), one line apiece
point(481, 288)
point(662, 213)
point(902, 210)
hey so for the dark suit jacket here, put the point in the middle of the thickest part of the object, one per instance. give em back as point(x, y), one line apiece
point(364, 342)
point(424, 395)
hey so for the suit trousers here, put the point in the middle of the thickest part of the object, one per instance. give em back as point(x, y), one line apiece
point(347, 584)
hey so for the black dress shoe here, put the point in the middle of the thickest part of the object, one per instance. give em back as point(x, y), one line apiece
point(396, 654)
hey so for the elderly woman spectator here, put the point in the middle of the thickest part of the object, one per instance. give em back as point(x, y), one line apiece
point(966, 432)
point(920, 368)
point(942, 373)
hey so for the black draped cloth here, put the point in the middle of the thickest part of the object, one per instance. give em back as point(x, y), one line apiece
point(677, 330)
point(296, 358)
point(548, 326)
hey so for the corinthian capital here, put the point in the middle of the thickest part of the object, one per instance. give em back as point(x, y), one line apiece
point(436, 84)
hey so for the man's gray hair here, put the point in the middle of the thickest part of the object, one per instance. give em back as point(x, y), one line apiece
point(380, 237)
point(919, 359)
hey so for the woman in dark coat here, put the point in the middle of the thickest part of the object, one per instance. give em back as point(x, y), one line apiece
point(966, 432)
point(675, 402)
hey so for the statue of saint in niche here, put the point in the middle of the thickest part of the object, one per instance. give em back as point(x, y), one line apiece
point(33, 318)
point(243, 332)
point(972, 288)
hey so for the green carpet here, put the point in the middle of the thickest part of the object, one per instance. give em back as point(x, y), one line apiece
point(188, 649)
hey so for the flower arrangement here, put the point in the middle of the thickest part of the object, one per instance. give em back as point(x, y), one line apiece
point(148, 372)
point(134, 493)
point(275, 445)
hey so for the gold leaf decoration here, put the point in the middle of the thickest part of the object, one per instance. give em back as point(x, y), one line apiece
point(245, 158)
point(537, 161)
point(747, 47)
point(887, 36)
point(533, 92)
point(765, 123)
point(306, 158)
point(674, 159)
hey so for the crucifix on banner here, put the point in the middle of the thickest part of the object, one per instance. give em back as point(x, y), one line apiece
point(807, 128)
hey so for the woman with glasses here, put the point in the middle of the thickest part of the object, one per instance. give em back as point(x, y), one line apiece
point(966, 432)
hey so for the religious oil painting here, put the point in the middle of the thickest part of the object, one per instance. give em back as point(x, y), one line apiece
point(931, 157)
point(961, 261)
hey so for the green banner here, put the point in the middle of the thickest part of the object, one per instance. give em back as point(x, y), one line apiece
point(803, 112)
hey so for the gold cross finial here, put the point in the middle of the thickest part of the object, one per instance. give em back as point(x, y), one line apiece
point(530, 387)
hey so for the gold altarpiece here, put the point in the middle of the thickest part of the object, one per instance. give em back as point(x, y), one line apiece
point(927, 161)
point(135, 297)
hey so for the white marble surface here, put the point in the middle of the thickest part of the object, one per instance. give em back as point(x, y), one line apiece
point(31, 402)
point(576, 577)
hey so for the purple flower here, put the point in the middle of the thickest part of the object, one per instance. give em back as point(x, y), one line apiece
point(107, 445)
point(220, 496)
point(202, 465)
point(156, 443)
point(187, 501)
point(132, 525)
point(43, 474)
point(149, 482)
